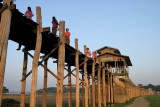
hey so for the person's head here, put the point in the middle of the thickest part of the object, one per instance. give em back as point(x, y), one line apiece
point(67, 30)
point(87, 48)
point(29, 8)
point(53, 18)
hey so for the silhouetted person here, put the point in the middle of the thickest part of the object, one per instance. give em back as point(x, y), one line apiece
point(55, 25)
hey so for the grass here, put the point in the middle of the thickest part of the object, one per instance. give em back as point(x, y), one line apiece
point(154, 100)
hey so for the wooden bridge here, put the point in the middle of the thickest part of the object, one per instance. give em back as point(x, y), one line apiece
point(14, 26)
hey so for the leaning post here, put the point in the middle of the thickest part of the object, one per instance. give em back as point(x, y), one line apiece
point(4, 35)
point(45, 85)
point(23, 87)
point(85, 77)
point(61, 61)
point(93, 81)
point(77, 72)
point(36, 58)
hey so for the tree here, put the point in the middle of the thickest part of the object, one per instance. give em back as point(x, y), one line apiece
point(5, 90)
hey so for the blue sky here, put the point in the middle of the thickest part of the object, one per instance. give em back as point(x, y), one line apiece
point(132, 26)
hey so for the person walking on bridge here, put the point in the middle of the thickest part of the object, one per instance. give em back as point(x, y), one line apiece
point(55, 25)
point(67, 36)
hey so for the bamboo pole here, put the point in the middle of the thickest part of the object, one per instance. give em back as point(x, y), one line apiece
point(77, 73)
point(89, 90)
point(61, 60)
point(22, 102)
point(99, 85)
point(45, 85)
point(104, 86)
point(36, 58)
point(93, 82)
point(69, 87)
point(85, 77)
point(4, 35)
point(83, 90)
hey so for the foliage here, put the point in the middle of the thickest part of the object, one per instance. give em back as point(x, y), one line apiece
point(153, 87)
point(154, 100)
point(5, 90)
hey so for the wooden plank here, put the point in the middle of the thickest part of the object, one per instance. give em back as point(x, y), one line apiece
point(44, 104)
point(61, 61)
point(93, 82)
point(77, 72)
point(104, 85)
point(99, 85)
point(36, 58)
point(4, 35)
point(69, 88)
point(46, 29)
point(85, 77)
point(83, 90)
point(23, 84)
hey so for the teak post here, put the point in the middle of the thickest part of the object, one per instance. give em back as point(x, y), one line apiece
point(89, 88)
point(61, 61)
point(36, 58)
point(85, 77)
point(23, 86)
point(45, 86)
point(83, 89)
point(109, 92)
point(4, 35)
point(111, 88)
point(77, 72)
point(93, 83)
point(99, 84)
point(69, 87)
point(104, 85)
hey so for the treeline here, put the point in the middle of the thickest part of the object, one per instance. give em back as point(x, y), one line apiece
point(54, 89)
point(153, 87)
point(5, 90)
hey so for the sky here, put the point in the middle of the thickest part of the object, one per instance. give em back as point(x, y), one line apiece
point(132, 26)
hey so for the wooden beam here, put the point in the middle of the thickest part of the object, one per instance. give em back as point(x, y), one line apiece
point(77, 72)
point(104, 85)
point(79, 53)
point(4, 35)
point(45, 86)
point(69, 88)
point(89, 90)
point(61, 61)
point(82, 90)
point(5, 6)
point(23, 84)
point(46, 29)
point(85, 77)
point(93, 81)
point(111, 84)
point(109, 94)
point(36, 58)
point(99, 85)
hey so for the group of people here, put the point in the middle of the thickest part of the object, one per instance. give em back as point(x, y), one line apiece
point(55, 29)
point(29, 14)
point(89, 54)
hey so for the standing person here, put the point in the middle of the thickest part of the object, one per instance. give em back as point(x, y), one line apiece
point(95, 57)
point(55, 25)
point(67, 36)
point(88, 53)
point(29, 13)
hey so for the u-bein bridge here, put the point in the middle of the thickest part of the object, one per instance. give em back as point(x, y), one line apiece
point(109, 74)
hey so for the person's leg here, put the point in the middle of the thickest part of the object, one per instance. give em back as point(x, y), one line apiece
point(19, 47)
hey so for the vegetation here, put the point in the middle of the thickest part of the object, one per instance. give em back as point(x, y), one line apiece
point(5, 90)
point(153, 87)
point(154, 100)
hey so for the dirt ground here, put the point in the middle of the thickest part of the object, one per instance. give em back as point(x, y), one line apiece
point(139, 102)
